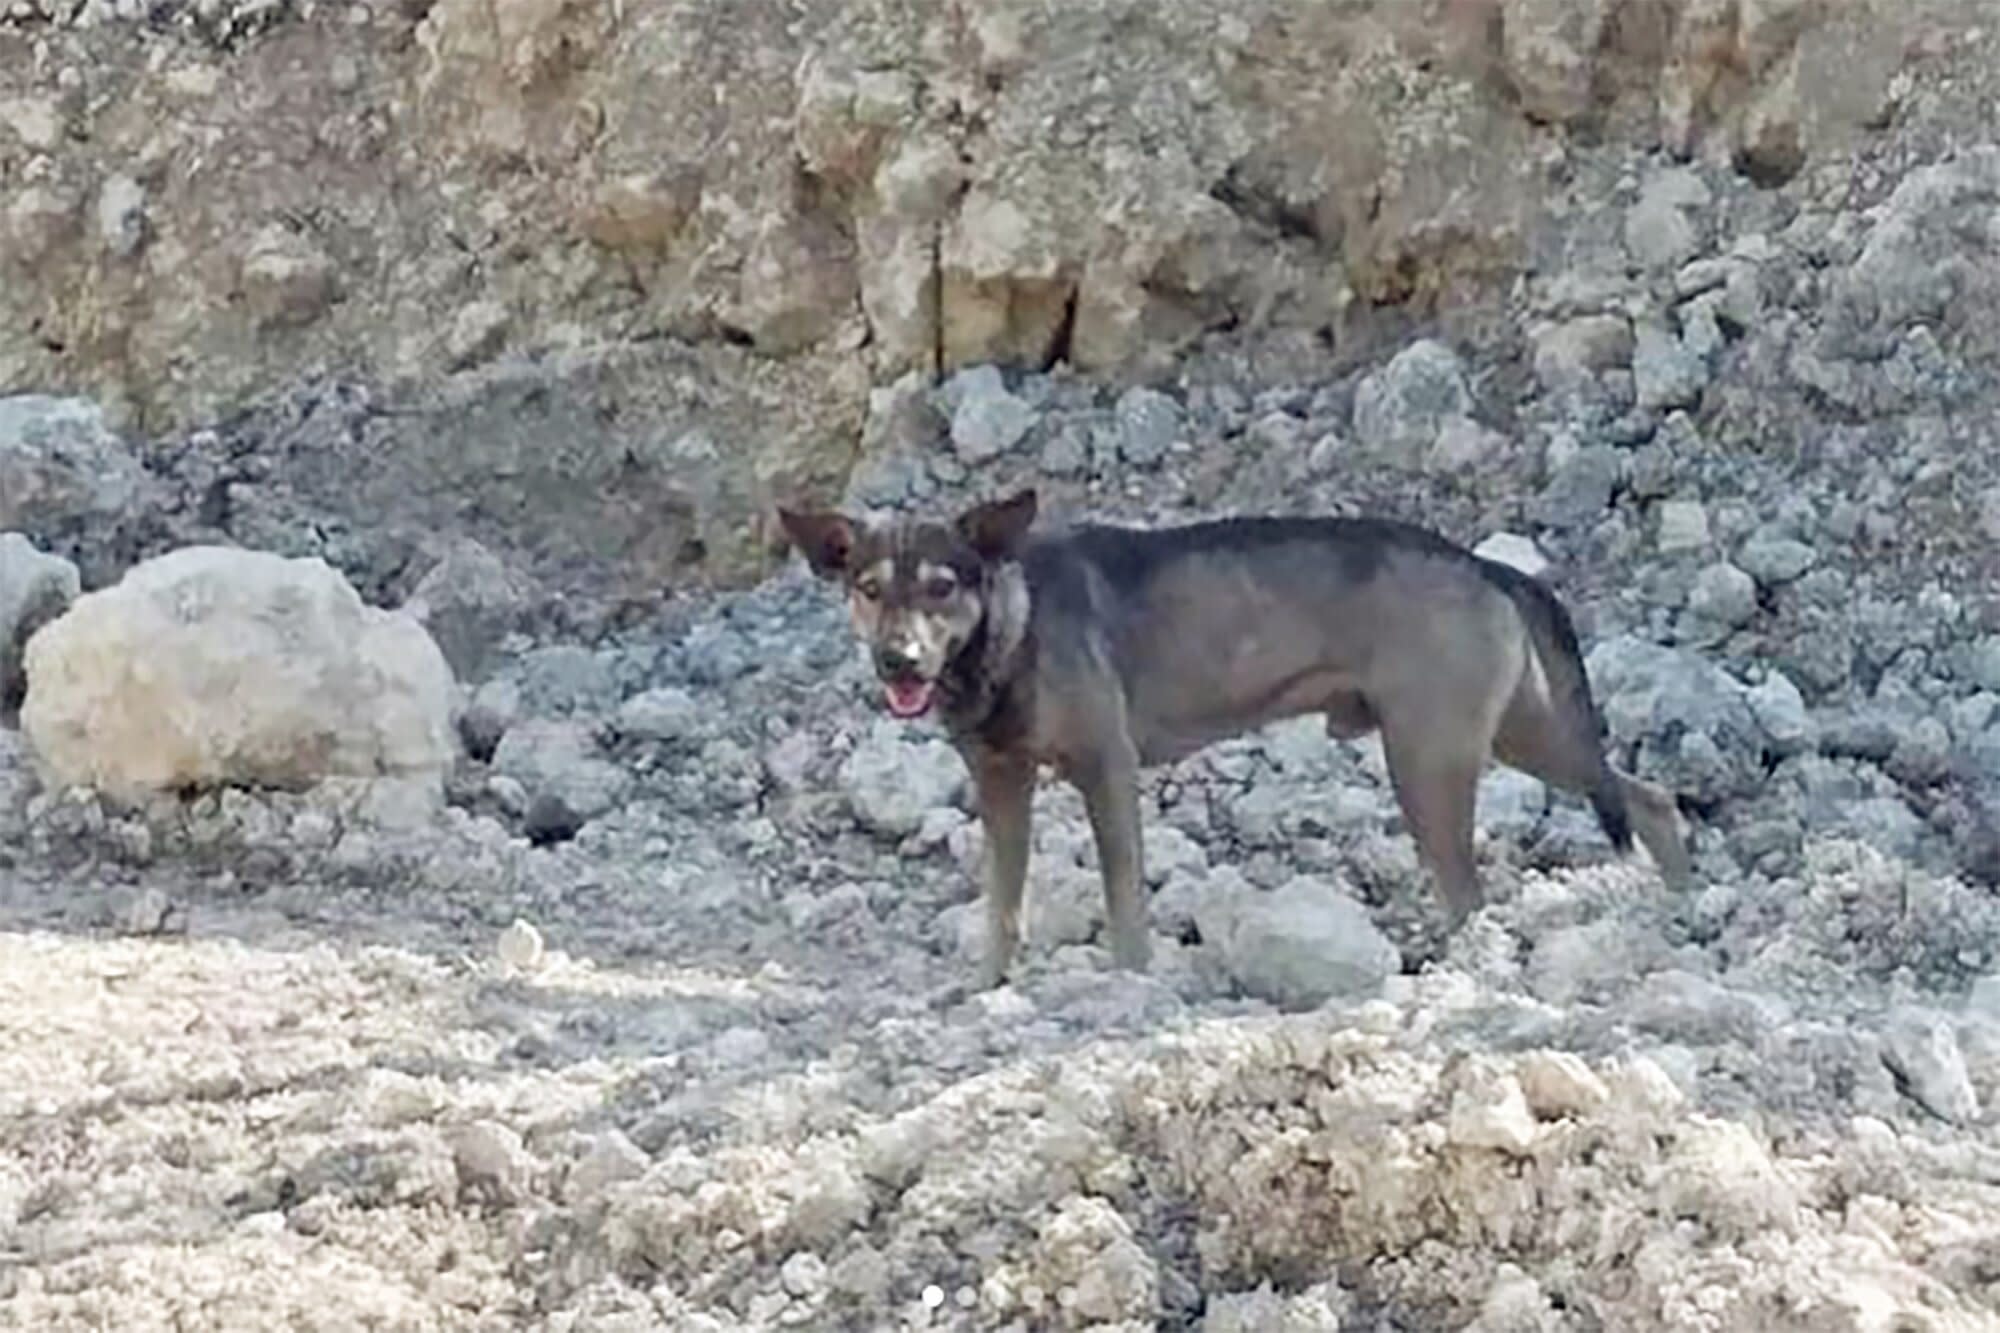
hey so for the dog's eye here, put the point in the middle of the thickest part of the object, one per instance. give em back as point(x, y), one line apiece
point(870, 589)
point(939, 588)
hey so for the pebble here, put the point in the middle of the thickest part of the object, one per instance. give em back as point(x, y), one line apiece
point(520, 946)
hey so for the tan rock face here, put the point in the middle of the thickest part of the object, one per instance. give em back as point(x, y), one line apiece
point(214, 665)
point(852, 191)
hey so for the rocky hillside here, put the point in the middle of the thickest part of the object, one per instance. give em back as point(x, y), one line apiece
point(593, 957)
point(475, 267)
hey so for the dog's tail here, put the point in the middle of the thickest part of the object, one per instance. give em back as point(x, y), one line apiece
point(1554, 640)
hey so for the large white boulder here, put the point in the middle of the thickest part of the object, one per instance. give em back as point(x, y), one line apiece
point(212, 666)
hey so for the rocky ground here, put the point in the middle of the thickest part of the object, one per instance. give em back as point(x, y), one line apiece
point(651, 1018)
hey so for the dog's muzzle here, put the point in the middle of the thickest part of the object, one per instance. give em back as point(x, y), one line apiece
point(909, 694)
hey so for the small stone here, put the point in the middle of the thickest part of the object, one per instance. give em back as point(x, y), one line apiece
point(1149, 423)
point(288, 281)
point(1923, 753)
point(1514, 551)
point(804, 1275)
point(1581, 487)
point(1922, 1050)
point(1401, 407)
point(1659, 234)
point(1577, 350)
point(1983, 1000)
point(557, 764)
point(1683, 526)
point(477, 332)
point(1981, 662)
point(1494, 1117)
point(1300, 945)
point(147, 912)
point(612, 1158)
point(521, 946)
point(34, 589)
point(987, 420)
point(1557, 1084)
point(1723, 594)
point(1773, 560)
point(1666, 373)
point(35, 121)
point(121, 216)
point(491, 1154)
point(862, 1275)
point(891, 781)
point(1781, 711)
point(548, 817)
point(471, 602)
point(665, 714)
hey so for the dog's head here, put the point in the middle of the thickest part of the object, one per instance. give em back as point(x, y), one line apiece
point(918, 589)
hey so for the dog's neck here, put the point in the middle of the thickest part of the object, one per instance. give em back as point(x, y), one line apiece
point(975, 684)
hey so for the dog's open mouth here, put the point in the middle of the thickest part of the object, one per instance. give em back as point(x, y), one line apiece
point(908, 698)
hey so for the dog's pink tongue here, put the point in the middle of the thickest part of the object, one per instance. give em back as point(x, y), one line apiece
point(909, 699)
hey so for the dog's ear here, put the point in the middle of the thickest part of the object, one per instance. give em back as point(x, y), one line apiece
point(825, 538)
point(995, 529)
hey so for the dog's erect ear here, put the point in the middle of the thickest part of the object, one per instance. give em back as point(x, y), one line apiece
point(995, 529)
point(826, 538)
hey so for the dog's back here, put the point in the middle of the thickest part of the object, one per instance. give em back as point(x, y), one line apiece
point(1220, 626)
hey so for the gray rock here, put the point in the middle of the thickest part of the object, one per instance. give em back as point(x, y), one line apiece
point(1781, 711)
point(470, 601)
point(1980, 662)
point(1683, 526)
point(1514, 551)
point(1149, 423)
point(1982, 1001)
point(1724, 595)
point(1693, 720)
point(1580, 489)
point(1659, 233)
point(559, 767)
point(1922, 1050)
point(1402, 407)
point(1774, 560)
point(1701, 330)
point(665, 714)
point(67, 481)
point(1578, 350)
point(986, 420)
point(1922, 754)
point(1299, 945)
point(892, 781)
point(34, 589)
point(1666, 372)
point(567, 678)
point(490, 1155)
point(121, 216)
point(1067, 453)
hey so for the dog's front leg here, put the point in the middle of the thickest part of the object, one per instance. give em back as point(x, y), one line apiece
point(1110, 787)
point(1006, 789)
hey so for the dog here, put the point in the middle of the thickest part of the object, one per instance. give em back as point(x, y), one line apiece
point(1099, 650)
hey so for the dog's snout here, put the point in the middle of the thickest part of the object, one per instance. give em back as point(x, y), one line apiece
point(895, 660)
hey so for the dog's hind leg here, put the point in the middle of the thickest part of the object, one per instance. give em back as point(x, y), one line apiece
point(1534, 739)
point(1006, 790)
point(1110, 786)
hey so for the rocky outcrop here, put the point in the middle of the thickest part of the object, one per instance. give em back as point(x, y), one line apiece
point(772, 211)
point(212, 666)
